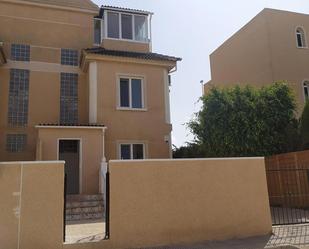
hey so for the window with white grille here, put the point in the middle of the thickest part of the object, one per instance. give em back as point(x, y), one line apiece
point(69, 57)
point(69, 98)
point(18, 97)
point(20, 52)
point(16, 142)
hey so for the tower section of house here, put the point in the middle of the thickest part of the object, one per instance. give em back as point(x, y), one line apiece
point(271, 47)
point(80, 83)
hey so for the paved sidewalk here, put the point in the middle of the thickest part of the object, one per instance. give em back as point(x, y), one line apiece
point(288, 237)
point(297, 236)
point(87, 231)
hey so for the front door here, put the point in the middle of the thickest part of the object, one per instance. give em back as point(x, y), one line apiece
point(69, 152)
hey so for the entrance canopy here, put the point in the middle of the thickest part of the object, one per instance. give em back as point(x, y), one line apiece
point(83, 160)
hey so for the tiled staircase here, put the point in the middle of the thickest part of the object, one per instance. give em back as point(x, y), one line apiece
point(84, 207)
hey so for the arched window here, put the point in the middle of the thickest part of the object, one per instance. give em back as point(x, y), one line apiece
point(301, 38)
point(306, 90)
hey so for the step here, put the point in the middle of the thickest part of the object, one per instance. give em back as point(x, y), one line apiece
point(79, 198)
point(84, 207)
point(80, 210)
point(84, 216)
point(76, 204)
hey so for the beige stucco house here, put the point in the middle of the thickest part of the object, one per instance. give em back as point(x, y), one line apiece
point(273, 46)
point(81, 83)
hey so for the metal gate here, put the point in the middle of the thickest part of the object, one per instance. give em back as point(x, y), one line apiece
point(288, 190)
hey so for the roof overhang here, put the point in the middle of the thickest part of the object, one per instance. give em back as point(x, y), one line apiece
point(2, 55)
point(56, 126)
point(127, 10)
point(86, 58)
point(92, 11)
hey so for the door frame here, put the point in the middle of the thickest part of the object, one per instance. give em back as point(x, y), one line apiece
point(80, 159)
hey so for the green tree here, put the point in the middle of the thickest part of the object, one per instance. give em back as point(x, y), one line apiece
point(245, 121)
point(304, 126)
point(190, 150)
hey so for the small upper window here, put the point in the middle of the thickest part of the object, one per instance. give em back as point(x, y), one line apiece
point(69, 57)
point(131, 93)
point(127, 26)
point(306, 90)
point(301, 38)
point(140, 28)
point(97, 31)
point(113, 25)
point(20, 52)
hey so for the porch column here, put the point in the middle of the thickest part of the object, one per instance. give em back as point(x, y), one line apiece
point(103, 168)
point(93, 92)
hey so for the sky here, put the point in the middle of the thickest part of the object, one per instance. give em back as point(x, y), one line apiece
point(192, 30)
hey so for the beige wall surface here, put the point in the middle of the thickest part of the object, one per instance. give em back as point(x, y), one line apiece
point(45, 26)
point(149, 125)
point(264, 51)
point(32, 207)
point(126, 45)
point(91, 152)
point(46, 30)
point(159, 202)
point(245, 57)
point(289, 62)
point(152, 202)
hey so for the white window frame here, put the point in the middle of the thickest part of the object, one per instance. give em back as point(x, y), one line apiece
point(131, 143)
point(102, 31)
point(130, 77)
point(304, 38)
point(120, 27)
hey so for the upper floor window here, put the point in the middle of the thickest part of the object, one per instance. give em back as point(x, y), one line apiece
point(16, 142)
point(69, 98)
point(69, 57)
point(132, 151)
point(306, 90)
point(97, 31)
point(20, 52)
point(301, 38)
point(131, 93)
point(127, 26)
point(18, 97)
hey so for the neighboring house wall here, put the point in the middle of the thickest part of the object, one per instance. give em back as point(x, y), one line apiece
point(289, 63)
point(150, 203)
point(245, 57)
point(46, 30)
point(263, 51)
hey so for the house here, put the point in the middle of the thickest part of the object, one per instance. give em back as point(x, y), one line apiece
point(273, 46)
point(80, 83)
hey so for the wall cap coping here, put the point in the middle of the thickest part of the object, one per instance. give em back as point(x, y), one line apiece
point(32, 162)
point(187, 159)
point(70, 127)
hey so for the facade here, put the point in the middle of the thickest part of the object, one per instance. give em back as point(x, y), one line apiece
point(272, 47)
point(81, 84)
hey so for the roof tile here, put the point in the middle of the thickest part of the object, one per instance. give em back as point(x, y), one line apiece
point(137, 55)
